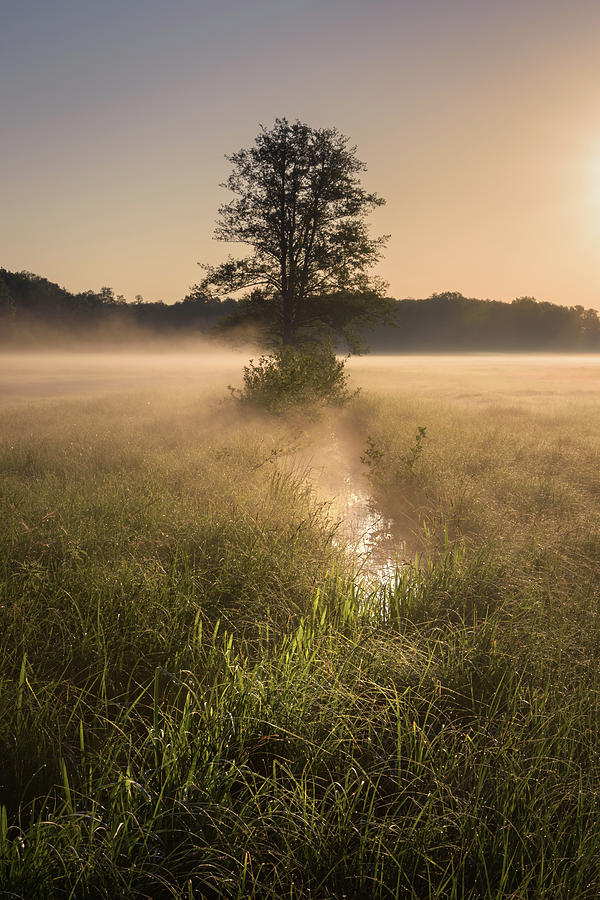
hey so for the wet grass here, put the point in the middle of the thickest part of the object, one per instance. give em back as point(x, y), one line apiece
point(199, 700)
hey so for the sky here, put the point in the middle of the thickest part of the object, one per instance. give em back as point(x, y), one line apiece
point(479, 123)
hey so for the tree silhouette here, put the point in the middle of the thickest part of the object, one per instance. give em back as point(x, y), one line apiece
point(300, 207)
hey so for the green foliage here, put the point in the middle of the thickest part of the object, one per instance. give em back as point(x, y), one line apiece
point(388, 464)
point(307, 376)
point(413, 454)
point(373, 456)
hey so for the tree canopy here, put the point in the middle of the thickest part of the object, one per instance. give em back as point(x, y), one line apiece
point(299, 205)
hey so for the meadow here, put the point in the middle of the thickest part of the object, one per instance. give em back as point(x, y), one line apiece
point(207, 691)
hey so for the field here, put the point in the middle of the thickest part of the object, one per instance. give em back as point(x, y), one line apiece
point(349, 656)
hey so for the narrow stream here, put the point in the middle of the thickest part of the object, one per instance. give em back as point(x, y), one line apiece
point(370, 535)
point(374, 539)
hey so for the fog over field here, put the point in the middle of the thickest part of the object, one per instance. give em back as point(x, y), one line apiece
point(327, 451)
point(281, 651)
point(37, 375)
point(205, 368)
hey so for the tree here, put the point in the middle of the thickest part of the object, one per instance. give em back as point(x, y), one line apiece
point(7, 306)
point(301, 209)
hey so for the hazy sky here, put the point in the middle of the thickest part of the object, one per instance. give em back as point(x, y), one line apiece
point(479, 122)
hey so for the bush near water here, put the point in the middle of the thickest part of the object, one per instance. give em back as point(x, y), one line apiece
point(295, 377)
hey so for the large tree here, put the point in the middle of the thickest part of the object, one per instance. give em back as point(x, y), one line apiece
point(300, 207)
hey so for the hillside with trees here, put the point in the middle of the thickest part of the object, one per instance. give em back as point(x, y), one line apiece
point(32, 308)
point(450, 322)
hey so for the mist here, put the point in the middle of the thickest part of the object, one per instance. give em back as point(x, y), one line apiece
point(199, 368)
point(165, 378)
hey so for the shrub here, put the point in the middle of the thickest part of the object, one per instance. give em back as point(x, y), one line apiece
point(310, 375)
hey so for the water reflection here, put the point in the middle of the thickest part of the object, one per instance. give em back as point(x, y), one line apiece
point(370, 536)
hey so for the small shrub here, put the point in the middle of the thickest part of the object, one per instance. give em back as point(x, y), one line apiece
point(310, 375)
point(384, 463)
point(373, 457)
point(411, 458)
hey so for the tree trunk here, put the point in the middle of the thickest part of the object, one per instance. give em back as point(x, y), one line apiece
point(288, 329)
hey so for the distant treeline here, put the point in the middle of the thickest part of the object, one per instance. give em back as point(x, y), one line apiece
point(449, 322)
point(27, 299)
point(30, 304)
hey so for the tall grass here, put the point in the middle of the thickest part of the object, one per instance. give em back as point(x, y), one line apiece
point(199, 700)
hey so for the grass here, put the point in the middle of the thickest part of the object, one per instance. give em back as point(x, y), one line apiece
point(199, 699)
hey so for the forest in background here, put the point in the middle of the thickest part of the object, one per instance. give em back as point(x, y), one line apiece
point(34, 309)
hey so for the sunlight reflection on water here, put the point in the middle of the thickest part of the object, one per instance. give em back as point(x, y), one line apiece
point(371, 537)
